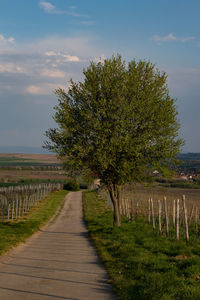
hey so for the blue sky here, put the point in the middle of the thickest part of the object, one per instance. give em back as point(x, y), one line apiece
point(45, 43)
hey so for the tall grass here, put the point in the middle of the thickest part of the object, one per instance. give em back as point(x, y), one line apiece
point(141, 264)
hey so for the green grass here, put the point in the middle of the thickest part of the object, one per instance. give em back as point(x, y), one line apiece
point(141, 264)
point(11, 233)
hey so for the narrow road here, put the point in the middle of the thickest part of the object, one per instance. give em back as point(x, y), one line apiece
point(58, 263)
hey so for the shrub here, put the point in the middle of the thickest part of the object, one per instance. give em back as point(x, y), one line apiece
point(71, 185)
point(83, 186)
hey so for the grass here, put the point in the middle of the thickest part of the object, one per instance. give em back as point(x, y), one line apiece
point(141, 264)
point(11, 233)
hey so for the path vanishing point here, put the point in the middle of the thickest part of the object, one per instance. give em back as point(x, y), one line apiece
point(59, 262)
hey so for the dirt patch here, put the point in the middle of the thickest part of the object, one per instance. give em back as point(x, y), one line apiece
point(180, 257)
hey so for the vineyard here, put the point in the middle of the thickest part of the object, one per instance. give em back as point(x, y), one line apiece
point(170, 212)
point(16, 201)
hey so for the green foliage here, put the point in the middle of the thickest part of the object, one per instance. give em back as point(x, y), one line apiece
point(141, 264)
point(71, 185)
point(118, 122)
point(11, 233)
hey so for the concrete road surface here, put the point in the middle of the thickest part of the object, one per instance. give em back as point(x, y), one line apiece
point(59, 262)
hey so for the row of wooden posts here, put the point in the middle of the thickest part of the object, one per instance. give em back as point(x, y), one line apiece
point(175, 218)
point(158, 214)
point(167, 215)
point(16, 201)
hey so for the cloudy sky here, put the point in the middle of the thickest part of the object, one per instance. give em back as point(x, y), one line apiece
point(45, 43)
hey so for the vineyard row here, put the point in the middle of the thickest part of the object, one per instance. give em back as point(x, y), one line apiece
point(16, 201)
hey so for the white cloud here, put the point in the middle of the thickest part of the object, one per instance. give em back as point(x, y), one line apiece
point(70, 57)
point(51, 9)
point(50, 53)
point(53, 73)
point(43, 88)
point(10, 68)
point(48, 7)
point(66, 56)
point(5, 40)
point(57, 46)
point(171, 37)
point(39, 67)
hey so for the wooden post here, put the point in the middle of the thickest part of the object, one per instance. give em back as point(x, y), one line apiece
point(160, 216)
point(132, 211)
point(185, 219)
point(174, 213)
point(152, 212)
point(191, 214)
point(196, 218)
point(128, 209)
point(126, 206)
point(13, 207)
point(177, 219)
point(16, 208)
point(23, 206)
point(20, 205)
point(8, 216)
point(2, 217)
point(137, 204)
point(149, 216)
point(166, 217)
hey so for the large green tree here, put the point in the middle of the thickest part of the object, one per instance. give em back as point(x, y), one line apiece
point(118, 122)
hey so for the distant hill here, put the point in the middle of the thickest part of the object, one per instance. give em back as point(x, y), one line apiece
point(21, 149)
point(189, 156)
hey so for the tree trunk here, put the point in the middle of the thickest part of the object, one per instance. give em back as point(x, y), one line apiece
point(115, 195)
point(119, 196)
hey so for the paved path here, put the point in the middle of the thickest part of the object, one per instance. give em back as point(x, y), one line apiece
point(58, 263)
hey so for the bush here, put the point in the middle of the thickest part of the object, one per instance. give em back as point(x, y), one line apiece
point(71, 185)
point(83, 186)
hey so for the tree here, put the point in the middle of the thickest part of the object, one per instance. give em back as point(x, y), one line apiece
point(118, 122)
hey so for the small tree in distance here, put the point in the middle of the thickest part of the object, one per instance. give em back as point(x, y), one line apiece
point(117, 123)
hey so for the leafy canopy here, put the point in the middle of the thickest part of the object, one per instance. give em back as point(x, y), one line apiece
point(117, 122)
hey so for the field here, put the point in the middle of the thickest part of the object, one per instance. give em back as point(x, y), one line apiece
point(27, 159)
point(158, 193)
point(27, 167)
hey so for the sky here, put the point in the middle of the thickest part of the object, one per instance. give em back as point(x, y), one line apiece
point(45, 43)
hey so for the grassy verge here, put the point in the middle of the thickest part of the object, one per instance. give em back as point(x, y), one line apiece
point(141, 264)
point(11, 233)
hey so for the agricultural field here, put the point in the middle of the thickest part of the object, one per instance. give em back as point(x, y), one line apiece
point(30, 167)
point(140, 192)
point(7, 159)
